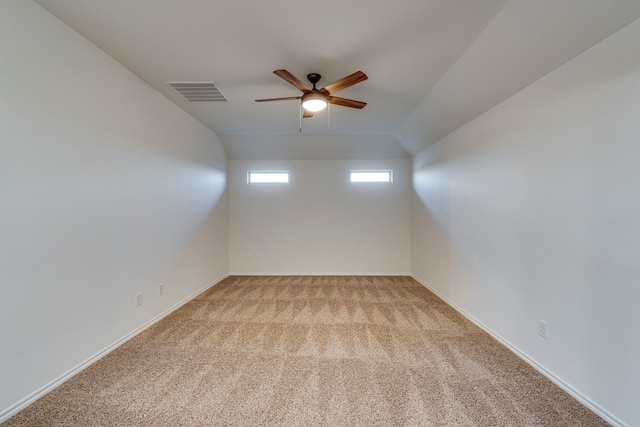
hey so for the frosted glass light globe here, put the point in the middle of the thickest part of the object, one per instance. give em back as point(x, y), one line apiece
point(314, 105)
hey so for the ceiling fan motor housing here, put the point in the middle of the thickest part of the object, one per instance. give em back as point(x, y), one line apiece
point(314, 78)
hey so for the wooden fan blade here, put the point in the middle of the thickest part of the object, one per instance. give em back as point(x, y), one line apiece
point(344, 83)
point(307, 114)
point(284, 74)
point(288, 98)
point(347, 102)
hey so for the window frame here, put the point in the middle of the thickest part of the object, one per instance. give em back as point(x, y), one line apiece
point(367, 171)
point(266, 173)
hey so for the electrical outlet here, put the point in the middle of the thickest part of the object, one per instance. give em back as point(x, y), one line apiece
point(161, 289)
point(138, 300)
point(250, 258)
point(542, 328)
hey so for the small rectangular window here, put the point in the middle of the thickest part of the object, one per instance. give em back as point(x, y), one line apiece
point(371, 176)
point(267, 177)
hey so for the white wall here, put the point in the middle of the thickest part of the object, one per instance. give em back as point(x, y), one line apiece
point(532, 211)
point(319, 223)
point(106, 190)
point(525, 41)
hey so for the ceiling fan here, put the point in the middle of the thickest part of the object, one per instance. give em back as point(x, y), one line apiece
point(314, 100)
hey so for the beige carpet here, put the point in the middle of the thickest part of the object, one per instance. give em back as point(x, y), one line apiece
point(310, 351)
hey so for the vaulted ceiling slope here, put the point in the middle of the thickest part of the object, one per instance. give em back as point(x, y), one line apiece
point(433, 65)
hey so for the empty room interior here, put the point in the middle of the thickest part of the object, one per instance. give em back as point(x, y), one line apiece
point(453, 239)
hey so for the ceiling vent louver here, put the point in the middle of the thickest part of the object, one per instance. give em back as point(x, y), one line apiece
point(198, 91)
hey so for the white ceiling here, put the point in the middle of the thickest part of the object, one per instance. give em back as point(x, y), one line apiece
point(433, 65)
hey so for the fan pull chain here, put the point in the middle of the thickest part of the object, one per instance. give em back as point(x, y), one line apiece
point(329, 116)
point(300, 116)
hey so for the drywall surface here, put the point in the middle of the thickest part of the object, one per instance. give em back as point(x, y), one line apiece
point(319, 223)
point(531, 212)
point(525, 41)
point(107, 190)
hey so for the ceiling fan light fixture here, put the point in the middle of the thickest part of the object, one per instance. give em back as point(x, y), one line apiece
point(314, 102)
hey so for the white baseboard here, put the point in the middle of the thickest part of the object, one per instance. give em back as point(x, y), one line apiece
point(606, 415)
point(20, 405)
point(324, 273)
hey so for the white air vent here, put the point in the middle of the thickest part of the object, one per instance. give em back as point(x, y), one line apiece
point(198, 91)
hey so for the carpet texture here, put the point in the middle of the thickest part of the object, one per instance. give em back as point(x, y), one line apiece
point(310, 351)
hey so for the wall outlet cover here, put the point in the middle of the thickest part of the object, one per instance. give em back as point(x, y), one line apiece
point(542, 328)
